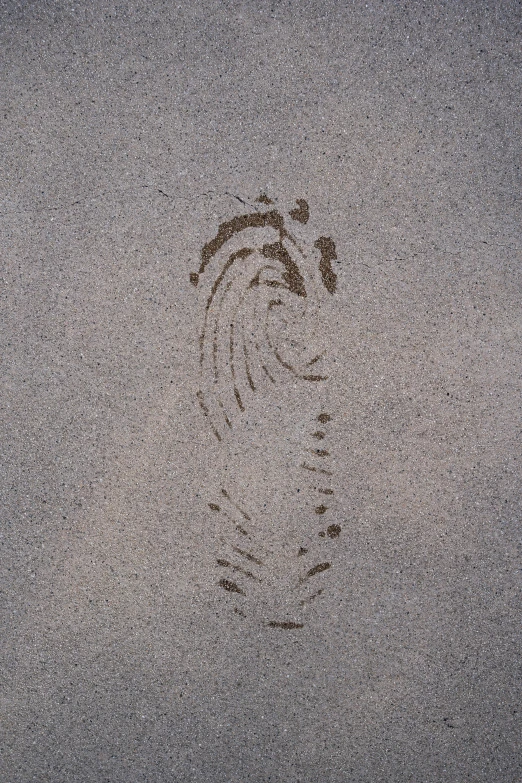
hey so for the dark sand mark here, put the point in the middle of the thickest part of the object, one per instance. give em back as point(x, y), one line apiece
point(328, 254)
point(216, 330)
point(310, 598)
point(292, 276)
point(206, 412)
point(286, 365)
point(334, 531)
point(247, 555)
point(256, 280)
point(268, 374)
point(241, 511)
point(286, 626)
point(324, 417)
point(226, 584)
point(318, 569)
point(247, 367)
point(233, 369)
point(316, 470)
point(294, 282)
point(302, 213)
point(243, 253)
point(227, 420)
point(227, 230)
point(237, 526)
point(231, 351)
point(239, 255)
point(238, 399)
point(226, 564)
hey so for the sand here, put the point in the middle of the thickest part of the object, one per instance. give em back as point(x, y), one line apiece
point(215, 567)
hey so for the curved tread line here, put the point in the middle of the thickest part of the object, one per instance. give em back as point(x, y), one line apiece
point(243, 253)
point(286, 365)
point(227, 564)
point(241, 511)
point(227, 230)
point(204, 408)
point(216, 330)
point(292, 276)
point(247, 364)
point(227, 420)
point(247, 555)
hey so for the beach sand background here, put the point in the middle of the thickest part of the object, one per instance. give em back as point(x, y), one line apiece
point(129, 133)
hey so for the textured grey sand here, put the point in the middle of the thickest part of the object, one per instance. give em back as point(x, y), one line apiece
point(129, 132)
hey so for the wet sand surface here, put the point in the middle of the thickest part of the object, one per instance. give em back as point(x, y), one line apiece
point(260, 479)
